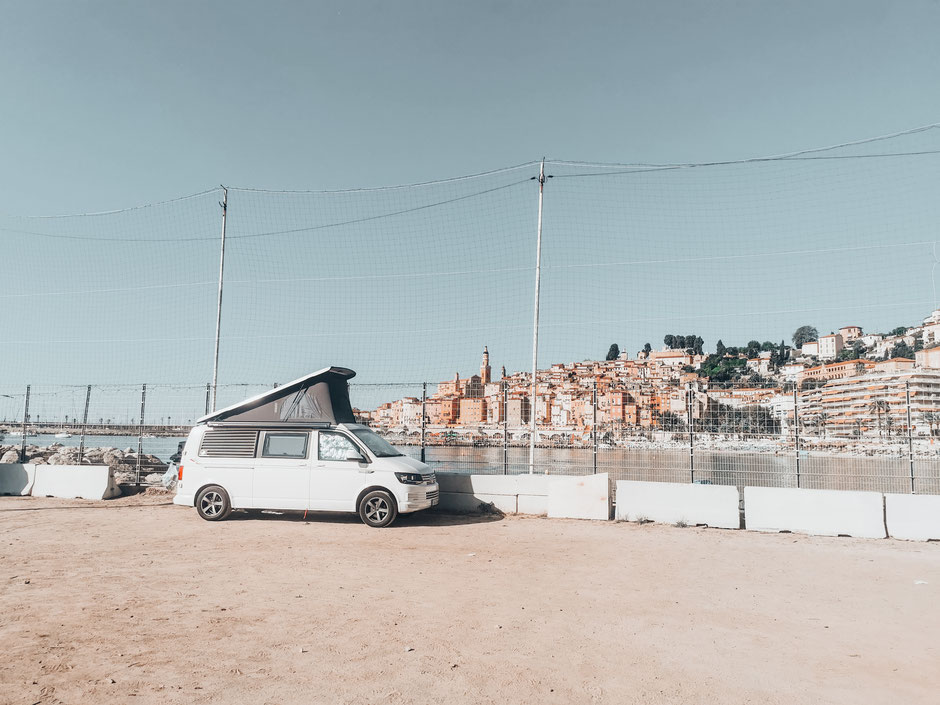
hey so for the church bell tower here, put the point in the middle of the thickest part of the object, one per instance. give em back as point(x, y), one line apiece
point(486, 373)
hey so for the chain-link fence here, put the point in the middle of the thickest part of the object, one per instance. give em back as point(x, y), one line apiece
point(734, 436)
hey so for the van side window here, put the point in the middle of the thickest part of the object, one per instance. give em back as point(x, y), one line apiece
point(285, 445)
point(335, 446)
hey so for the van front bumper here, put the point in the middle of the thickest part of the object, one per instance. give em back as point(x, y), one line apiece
point(419, 497)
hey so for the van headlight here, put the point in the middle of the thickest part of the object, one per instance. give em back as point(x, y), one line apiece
point(409, 478)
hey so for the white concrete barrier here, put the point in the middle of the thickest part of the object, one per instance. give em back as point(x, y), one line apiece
point(913, 516)
point(820, 512)
point(16, 478)
point(469, 503)
point(511, 494)
point(673, 503)
point(579, 497)
point(75, 481)
point(532, 504)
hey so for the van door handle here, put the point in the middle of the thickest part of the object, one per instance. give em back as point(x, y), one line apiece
point(321, 465)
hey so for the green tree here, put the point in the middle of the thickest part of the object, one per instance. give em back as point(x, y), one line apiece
point(614, 352)
point(902, 349)
point(720, 349)
point(698, 345)
point(804, 334)
point(647, 348)
point(900, 330)
point(669, 341)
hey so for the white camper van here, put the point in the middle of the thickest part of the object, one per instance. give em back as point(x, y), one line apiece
point(298, 447)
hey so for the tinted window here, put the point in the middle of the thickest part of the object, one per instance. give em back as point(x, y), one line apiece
point(335, 446)
point(285, 445)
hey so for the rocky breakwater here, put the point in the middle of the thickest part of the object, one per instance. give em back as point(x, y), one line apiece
point(124, 462)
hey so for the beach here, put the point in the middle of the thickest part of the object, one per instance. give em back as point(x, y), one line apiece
point(138, 600)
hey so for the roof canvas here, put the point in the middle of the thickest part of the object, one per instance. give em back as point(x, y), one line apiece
point(319, 396)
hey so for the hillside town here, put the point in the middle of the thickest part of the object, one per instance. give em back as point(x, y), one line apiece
point(847, 383)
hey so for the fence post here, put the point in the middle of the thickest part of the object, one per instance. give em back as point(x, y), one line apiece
point(424, 404)
point(594, 424)
point(81, 445)
point(691, 434)
point(25, 422)
point(505, 428)
point(140, 432)
point(910, 432)
point(796, 431)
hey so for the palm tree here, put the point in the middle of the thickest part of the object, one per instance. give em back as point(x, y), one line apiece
point(931, 418)
point(878, 406)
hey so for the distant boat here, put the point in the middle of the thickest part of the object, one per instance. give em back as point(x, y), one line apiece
point(63, 435)
point(15, 433)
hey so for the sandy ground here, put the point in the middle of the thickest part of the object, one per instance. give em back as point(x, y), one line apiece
point(138, 601)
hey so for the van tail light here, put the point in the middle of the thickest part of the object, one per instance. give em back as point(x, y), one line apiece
point(179, 474)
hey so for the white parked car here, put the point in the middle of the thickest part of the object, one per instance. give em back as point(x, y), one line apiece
point(307, 457)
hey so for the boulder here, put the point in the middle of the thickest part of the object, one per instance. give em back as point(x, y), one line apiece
point(10, 456)
point(112, 457)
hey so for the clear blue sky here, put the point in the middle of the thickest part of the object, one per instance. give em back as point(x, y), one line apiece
point(108, 105)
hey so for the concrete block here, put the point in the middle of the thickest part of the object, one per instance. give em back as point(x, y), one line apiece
point(467, 503)
point(820, 512)
point(75, 481)
point(915, 517)
point(493, 484)
point(532, 504)
point(671, 503)
point(17, 478)
point(579, 497)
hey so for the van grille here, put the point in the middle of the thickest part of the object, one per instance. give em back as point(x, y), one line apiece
point(433, 495)
point(228, 443)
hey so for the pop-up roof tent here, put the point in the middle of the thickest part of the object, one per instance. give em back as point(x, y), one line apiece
point(319, 397)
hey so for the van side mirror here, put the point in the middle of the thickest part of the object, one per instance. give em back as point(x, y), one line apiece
point(355, 456)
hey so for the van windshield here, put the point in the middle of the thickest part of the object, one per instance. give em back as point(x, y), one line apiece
point(378, 445)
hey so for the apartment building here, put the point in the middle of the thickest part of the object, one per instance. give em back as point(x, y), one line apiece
point(850, 333)
point(830, 346)
point(835, 370)
point(876, 403)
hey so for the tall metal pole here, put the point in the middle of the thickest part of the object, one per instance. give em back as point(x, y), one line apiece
point(505, 428)
point(208, 396)
point(25, 422)
point(81, 445)
point(424, 404)
point(691, 434)
point(594, 424)
point(796, 432)
point(218, 314)
point(140, 430)
point(910, 432)
point(535, 325)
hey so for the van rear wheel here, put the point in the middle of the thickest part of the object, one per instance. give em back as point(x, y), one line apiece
point(213, 504)
point(377, 509)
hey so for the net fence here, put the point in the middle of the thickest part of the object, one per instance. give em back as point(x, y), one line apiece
point(695, 280)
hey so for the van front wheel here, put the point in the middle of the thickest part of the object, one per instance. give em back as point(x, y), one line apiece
point(212, 503)
point(377, 509)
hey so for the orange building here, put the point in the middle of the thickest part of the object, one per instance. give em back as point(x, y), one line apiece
point(472, 411)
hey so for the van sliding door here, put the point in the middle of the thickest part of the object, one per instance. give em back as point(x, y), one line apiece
point(281, 476)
